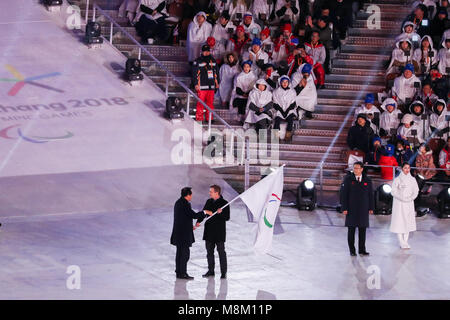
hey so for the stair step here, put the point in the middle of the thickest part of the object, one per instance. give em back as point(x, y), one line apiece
point(360, 49)
point(369, 32)
point(354, 79)
point(371, 41)
point(362, 71)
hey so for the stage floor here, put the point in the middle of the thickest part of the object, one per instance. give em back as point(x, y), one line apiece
point(127, 255)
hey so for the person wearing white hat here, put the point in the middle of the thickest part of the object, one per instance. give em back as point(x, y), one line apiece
point(259, 106)
point(389, 118)
point(284, 105)
point(198, 32)
point(405, 130)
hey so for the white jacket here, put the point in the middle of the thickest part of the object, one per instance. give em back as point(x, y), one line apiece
point(373, 110)
point(227, 74)
point(292, 17)
point(307, 98)
point(399, 55)
point(407, 132)
point(260, 99)
point(245, 81)
point(152, 4)
point(254, 57)
point(438, 120)
point(444, 59)
point(240, 7)
point(220, 6)
point(253, 29)
point(221, 34)
point(418, 54)
point(404, 88)
point(317, 52)
point(284, 98)
point(389, 120)
point(196, 36)
point(404, 191)
point(261, 7)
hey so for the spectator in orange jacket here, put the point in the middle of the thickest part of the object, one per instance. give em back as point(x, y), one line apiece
point(388, 160)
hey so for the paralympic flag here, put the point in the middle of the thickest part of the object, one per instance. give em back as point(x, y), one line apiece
point(263, 200)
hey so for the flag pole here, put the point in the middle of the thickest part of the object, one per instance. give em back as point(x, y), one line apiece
point(237, 197)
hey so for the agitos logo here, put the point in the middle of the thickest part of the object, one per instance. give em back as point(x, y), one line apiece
point(4, 133)
point(21, 81)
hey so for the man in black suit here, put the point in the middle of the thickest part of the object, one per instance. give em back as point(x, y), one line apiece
point(215, 230)
point(357, 204)
point(183, 231)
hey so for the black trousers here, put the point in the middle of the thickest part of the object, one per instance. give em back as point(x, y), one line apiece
point(147, 28)
point(289, 120)
point(210, 245)
point(241, 104)
point(181, 260)
point(361, 239)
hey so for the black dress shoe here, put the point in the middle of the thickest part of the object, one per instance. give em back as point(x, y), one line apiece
point(208, 274)
point(364, 253)
point(353, 254)
point(223, 276)
point(185, 277)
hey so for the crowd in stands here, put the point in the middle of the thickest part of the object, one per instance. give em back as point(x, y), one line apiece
point(265, 59)
point(413, 118)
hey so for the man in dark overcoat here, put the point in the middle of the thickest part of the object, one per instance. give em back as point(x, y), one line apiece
point(357, 204)
point(183, 231)
point(214, 233)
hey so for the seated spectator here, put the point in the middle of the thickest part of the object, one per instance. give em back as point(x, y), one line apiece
point(271, 75)
point(426, 4)
point(389, 118)
point(375, 153)
point(360, 135)
point(427, 96)
point(243, 84)
point(239, 41)
point(372, 113)
point(298, 58)
point(420, 14)
point(316, 51)
point(438, 120)
point(284, 106)
point(283, 44)
point(238, 7)
point(327, 36)
point(439, 84)
point(250, 26)
point(425, 57)
point(404, 89)
point(217, 50)
point(227, 73)
point(206, 80)
point(387, 162)
point(438, 25)
point(257, 56)
point(445, 5)
point(444, 158)
point(260, 106)
point(220, 31)
point(221, 6)
point(198, 32)
point(266, 42)
point(417, 110)
point(150, 21)
point(407, 128)
point(303, 84)
point(401, 56)
point(408, 33)
point(425, 162)
point(261, 10)
point(286, 11)
point(403, 152)
point(341, 15)
point(444, 58)
point(128, 8)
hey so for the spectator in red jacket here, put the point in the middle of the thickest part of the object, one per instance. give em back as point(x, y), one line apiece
point(388, 160)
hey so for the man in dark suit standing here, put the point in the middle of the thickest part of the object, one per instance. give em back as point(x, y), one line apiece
point(183, 231)
point(215, 231)
point(357, 204)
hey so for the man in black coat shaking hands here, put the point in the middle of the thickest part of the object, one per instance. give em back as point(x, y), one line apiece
point(215, 230)
point(183, 231)
point(357, 204)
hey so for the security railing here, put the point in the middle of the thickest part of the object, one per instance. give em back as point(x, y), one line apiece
point(171, 76)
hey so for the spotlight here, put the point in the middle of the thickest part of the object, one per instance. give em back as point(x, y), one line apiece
point(133, 70)
point(444, 203)
point(93, 33)
point(174, 108)
point(306, 196)
point(383, 200)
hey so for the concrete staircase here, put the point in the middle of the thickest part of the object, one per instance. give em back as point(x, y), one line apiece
point(357, 69)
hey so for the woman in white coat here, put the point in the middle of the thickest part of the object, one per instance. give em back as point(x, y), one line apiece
point(198, 32)
point(259, 106)
point(404, 191)
point(227, 73)
point(303, 84)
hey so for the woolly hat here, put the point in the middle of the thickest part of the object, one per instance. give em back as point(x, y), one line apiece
point(249, 62)
point(240, 28)
point(248, 14)
point(265, 32)
point(307, 68)
point(376, 138)
point(407, 118)
point(390, 150)
point(256, 41)
point(370, 98)
point(282, 78)
point(409, 67)
point(211, 41)
point(287, 27)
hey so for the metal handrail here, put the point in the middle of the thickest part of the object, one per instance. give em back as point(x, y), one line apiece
point(181, 84)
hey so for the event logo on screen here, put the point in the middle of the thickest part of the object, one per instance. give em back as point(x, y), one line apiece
point(20, 80)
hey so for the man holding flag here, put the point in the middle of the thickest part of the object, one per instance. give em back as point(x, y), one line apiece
point(215, 230)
